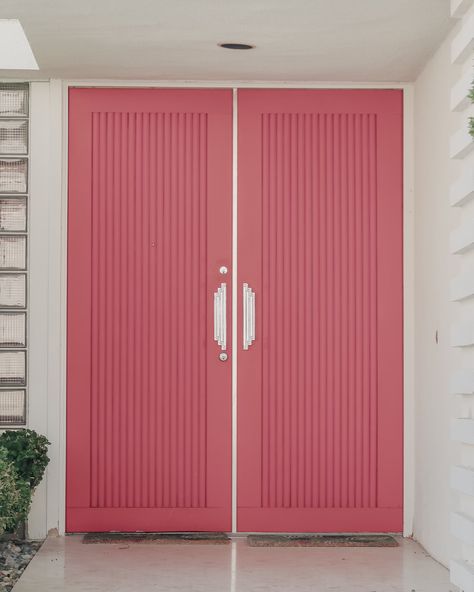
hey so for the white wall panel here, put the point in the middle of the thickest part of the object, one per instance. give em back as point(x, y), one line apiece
point(462, 286)
point(462, 479)
point(462, 430)
point(461, 143)
point(462, 334)
point(462, 527)
point(462, 188)
point(462, 237)
point(459, 93)
point(435, 359)
point(462, 382)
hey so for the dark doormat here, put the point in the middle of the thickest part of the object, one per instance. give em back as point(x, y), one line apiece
point(167, 538)
point(291, 540)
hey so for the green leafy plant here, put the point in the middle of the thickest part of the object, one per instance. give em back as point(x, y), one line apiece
point(23, 460)
point(28, 452)
point(15, 495)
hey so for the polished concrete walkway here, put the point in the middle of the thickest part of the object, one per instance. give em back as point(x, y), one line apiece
point(66, 565)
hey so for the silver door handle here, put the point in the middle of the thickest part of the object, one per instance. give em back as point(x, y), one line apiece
point(248, 316)
point(220, 319)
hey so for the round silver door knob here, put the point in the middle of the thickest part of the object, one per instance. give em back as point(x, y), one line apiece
point(223, 357)
point(223, 270)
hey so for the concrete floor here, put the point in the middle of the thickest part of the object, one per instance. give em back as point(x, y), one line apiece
point(65, 564)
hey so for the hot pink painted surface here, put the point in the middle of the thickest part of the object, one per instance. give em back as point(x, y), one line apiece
point(320, 391)
point(148, 401)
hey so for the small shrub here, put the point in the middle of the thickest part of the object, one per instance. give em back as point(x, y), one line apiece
point(15, 496)
point(28, 452)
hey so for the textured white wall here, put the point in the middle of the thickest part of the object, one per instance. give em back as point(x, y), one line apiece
point(46, 252)
point(435, 313)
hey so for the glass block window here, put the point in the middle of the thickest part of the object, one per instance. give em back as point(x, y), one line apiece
point(13, 136)
point(14, 100)
point(12, 291)
point(12, 368)
point(12, 329)
point(12, 252)
point(13, 175)
point(14, 171)
point(13, 214)
point(13, 407)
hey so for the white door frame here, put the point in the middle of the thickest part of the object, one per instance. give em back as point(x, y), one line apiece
point(48, 279)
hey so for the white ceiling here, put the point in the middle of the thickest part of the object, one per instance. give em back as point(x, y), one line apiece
point(296, 40)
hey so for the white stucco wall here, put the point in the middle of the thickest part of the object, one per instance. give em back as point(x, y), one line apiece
point(435, 360)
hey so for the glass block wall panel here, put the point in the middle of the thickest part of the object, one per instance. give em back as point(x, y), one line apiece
point(12, 407)
point(12, 252)
point(12, 368)
point(14, 169)
point(13, 214)
point(13, 290)
point(13, 175)
point(12, 329)
point(14, 100)
point(13, 136)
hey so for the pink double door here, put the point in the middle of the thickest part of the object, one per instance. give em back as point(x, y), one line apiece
point(319, 311)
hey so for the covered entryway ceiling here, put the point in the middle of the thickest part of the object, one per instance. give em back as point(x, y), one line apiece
point(301, 40)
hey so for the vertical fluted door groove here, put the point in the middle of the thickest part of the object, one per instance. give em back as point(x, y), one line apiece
point(296, 228)
point(320, 235)
point(149, 226)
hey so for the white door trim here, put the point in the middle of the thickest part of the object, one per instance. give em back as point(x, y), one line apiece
point(49, 508)
point(235, 341)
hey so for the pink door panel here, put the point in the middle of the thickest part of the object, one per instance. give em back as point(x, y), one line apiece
point(148, 413)
point(320, 390)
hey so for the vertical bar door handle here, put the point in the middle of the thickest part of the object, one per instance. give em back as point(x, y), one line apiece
point(248, 316)
point(220, 316)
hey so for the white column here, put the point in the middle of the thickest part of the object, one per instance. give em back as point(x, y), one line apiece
point(46, 410)
point(461, 151)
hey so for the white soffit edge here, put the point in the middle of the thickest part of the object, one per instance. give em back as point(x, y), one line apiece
point(15, 51)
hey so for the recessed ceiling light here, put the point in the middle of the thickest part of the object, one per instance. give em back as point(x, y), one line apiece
point(236, 45)
point(15, 51)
